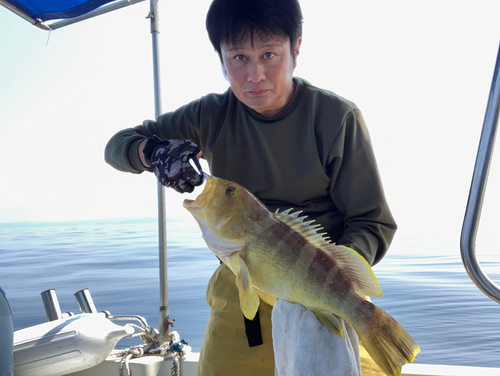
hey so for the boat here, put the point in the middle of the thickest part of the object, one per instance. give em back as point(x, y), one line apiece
point(48, 346)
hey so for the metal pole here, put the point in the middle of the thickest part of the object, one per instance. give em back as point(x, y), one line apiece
point(477, 190)
point(162, 224)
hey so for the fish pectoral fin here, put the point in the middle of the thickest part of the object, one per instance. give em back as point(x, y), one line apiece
point(249, 300)
point(266, 298)
point(331, 322)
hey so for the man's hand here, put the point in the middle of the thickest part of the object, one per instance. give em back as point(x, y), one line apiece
point(170, 162)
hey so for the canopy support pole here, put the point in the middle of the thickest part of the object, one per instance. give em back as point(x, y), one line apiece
point(162, 223)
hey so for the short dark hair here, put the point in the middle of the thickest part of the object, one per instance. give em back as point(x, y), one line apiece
point(232, 21)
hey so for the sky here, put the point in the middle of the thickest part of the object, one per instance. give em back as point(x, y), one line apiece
point(419, 71)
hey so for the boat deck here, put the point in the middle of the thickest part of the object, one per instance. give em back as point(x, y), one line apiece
point(157, 366)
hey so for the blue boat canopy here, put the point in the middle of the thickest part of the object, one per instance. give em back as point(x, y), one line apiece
point(45, 10)
point(52, 14)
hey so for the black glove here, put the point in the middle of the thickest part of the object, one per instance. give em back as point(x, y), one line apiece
point(170, 162)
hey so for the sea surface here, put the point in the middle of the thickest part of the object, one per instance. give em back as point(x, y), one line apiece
point(425, 287)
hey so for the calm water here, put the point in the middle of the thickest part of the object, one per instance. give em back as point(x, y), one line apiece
point(429, 293)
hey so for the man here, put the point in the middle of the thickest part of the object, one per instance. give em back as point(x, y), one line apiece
point(288, 142)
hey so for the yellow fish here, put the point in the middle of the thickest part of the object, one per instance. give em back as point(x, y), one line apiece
point(278, 255)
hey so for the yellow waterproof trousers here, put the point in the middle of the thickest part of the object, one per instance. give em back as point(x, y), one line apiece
point(225, 350)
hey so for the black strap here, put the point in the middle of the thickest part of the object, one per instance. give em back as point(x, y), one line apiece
point(252, 329)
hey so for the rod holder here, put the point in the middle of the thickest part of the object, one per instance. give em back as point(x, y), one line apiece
point(85, 301)
point(51, 305)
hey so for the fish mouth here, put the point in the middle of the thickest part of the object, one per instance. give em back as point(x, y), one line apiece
point(203, 199)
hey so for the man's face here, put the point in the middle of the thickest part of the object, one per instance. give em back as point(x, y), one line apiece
point(261, 75)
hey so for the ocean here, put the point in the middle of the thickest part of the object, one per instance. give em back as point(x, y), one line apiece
point(425, 286)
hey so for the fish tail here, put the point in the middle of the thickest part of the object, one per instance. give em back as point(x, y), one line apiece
point(389, 345)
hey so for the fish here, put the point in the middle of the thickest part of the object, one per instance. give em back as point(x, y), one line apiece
point(282, 256)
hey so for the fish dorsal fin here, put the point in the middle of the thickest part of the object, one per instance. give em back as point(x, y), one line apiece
point(305, 229)
point(354, 266)
point(356, 269)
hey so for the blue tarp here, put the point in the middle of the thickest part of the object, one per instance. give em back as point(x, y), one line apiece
point(56, 9)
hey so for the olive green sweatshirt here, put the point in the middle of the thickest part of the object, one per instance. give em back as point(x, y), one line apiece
point(315, 156)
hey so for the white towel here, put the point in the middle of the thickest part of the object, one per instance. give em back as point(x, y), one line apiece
point(303, 346)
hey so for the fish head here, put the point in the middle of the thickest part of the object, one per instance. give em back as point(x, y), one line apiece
point(225, 207)
point(226, 213)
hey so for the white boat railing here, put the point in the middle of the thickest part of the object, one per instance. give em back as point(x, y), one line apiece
point(478, 189)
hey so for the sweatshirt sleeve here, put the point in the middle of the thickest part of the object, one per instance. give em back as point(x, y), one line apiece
point(357, 191)
point(121, 151)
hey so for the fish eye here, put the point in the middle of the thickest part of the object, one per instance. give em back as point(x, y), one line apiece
point(231, 191)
